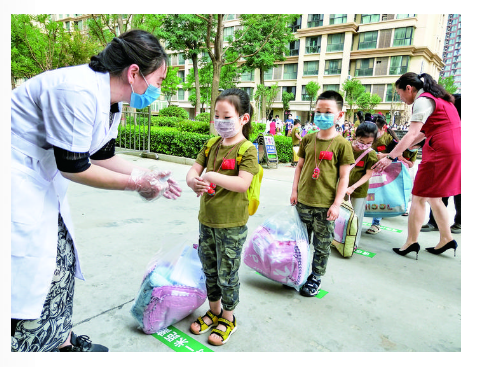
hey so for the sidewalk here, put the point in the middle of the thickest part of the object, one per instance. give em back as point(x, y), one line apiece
point(384, 303)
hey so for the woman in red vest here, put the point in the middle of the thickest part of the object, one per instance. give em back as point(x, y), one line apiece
point(435, 119)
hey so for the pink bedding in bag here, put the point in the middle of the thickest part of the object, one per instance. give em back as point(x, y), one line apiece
point(170, 304)
point(285, 262)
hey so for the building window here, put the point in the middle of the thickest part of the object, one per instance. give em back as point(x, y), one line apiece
point(181, 94)
point(289, 90)
point(181, 75)
point(404, 16)
point(314, 20)
point(333, 67)
point(268, 74)
point(290, 71)
point(249, 91)
point(403, 36)
point(369, 18)
point(304, 95)
point(337, 18)
point(335, 42)
point(334, 87)
point(296, 25)
point(247, 76)
point(399, 65)
point(181, 59)
point(364, 67)
point(67, 26)
point(313, 45)
point(294, 48)
point(311, 67)
point(228, 34)
point(389, 94)
point(367, 40)
point(229, 16)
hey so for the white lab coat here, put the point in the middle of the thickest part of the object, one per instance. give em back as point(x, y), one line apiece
point(68, 108)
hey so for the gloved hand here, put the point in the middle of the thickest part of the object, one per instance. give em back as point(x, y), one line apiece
point(173, 190)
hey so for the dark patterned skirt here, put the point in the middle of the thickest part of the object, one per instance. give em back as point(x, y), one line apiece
point(52, 328)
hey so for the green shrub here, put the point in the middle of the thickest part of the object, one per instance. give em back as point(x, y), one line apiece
point(284, 148)
point(198, 127)
point(204, 116)
point(174, 111)
point(168, 140)
point(166, 121)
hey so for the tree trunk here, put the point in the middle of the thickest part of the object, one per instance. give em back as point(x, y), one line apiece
point(217, 63)
point(263, 97)
point(195, 60)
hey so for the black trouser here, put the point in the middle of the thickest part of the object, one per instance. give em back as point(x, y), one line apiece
point(457, 205)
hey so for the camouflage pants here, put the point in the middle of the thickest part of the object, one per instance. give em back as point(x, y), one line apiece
point(323, 229)
point(220, 252)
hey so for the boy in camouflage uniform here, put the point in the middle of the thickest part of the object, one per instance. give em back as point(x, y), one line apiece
point(320, 183)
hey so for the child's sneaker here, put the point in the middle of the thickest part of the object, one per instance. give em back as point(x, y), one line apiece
point(311, 286)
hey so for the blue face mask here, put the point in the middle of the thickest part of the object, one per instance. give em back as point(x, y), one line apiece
point(143, 100)
point(324, 121)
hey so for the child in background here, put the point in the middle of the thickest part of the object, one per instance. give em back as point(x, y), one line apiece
point(360, 174)
point(385, 142)
point(296, 139)
point(223, 216)
point(320, 182)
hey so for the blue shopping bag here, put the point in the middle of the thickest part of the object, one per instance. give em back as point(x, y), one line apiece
point(389, 192)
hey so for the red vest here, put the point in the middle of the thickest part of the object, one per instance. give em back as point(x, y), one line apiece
point(445, 117)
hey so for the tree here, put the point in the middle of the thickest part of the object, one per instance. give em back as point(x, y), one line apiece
point(255, 29)
point(214, 41)
point(312, 88)
point(185, 33)
point(351, 89)
point(394, 106)
point(104, 27)
point(266, 93)
point(448, 84)
point(39, 44)
point(286, 98)
point(170, 85)
point(367, 101)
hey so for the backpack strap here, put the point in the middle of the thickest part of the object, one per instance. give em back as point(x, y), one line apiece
point(243, 148)
point(209, 144)
point(359, 158)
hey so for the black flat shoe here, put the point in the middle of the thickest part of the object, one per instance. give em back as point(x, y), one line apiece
point(451, 244)
point(413, 247)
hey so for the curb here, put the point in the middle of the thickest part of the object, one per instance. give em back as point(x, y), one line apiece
point(162, 157)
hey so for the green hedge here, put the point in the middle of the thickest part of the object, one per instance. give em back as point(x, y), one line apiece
point(185, 143)
point(174, 111)
point(181, 124)
point(167, 140)
point(204, 116)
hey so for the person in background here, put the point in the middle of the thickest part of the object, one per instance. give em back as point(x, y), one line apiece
point(289, 123)
point(435, 119)
point(272, 127)
point(296, 139)
point(360, 174)
point(456, 227)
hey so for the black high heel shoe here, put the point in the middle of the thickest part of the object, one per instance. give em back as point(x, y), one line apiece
point(412, 247)
point(451, 244)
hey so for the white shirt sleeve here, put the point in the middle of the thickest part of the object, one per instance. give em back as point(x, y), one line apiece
point(69, 116)
point(422, 109)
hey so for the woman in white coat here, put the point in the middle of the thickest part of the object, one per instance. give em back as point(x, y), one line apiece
point(64, 125)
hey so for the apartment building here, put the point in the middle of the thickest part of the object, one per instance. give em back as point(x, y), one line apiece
point(452, 50)
point(329, 48)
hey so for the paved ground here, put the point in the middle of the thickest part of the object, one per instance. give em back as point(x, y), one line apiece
point(386, 303)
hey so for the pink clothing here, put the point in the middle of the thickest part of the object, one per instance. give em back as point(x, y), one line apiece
point(273, 128)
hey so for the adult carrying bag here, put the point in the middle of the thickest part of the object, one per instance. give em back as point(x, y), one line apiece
point(389, 192)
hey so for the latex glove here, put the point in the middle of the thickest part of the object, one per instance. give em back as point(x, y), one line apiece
point(149, 184)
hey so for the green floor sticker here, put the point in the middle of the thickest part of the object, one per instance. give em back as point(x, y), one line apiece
point(321, 293)
point(178, 341)
point(367, 224)
point(364, 253)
